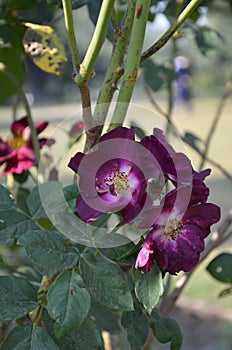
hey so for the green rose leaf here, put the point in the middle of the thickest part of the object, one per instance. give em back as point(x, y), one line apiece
point(148, 287)
point(156, 75)
point(120, 253)
point(6, 198)
point(220, 268)
point(13, 223)
point(18, 5)
point(48, 251)
point(105, 319)
point(21, 199)
point(106, 282)
point(17, 298)
point(50, 198)
point(28, 338)
point(34, 203)
point(137, 328)
point(76, 4)
point(86, 337)
point(68, 302)
point(71, 193)
point(151, 75)
point(167, 330)
point(192, 140)
point(207, 39)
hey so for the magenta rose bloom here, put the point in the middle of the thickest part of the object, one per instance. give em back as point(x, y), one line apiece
point(124, 175)
point(17, 153)
point(110, 179)
point(177, 235)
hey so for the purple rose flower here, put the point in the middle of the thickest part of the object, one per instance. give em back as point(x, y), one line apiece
point(114, 177)
point(118, 184)
point(17, 153)
point(126, 176)
point(177, 235)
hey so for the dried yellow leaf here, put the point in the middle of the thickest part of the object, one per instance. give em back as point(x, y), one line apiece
point(44, 47)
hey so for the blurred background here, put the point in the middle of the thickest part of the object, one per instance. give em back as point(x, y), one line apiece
point(202, 62)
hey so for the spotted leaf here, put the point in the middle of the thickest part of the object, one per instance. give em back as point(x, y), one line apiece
point(44, 48)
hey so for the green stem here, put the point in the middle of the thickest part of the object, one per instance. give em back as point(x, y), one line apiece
point(33, 177)
point(86, 68)
point(170, 90)
point(185, 14)
point(38, 315)
point(132, 62)
point(10, 182)
point(24, 100)
point(119, 341)
point(67, 7)
point(84, 89)
point(115, 69)
point(114, 20)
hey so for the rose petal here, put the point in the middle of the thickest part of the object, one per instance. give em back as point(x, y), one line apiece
point(85, 212)
point(203, 215)
point(18, 126)
point(119, 132)
point(75, 161)
point(40, 126)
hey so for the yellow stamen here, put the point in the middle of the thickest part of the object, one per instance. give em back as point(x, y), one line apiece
point(119, 179)
point(16, 142)
point(173, 228)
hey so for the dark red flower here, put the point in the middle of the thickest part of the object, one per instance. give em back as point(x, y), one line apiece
point(177, 235)
point(17, 153)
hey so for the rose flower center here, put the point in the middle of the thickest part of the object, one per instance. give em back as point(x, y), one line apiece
point(119, 180)
point(16, 142)
point(173, 228)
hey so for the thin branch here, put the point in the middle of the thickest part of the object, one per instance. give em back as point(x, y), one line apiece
point(84, 89)
point(218, 114)
point(185, 14)
point(165, 115)
point(67, 7)
point(210, 161)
